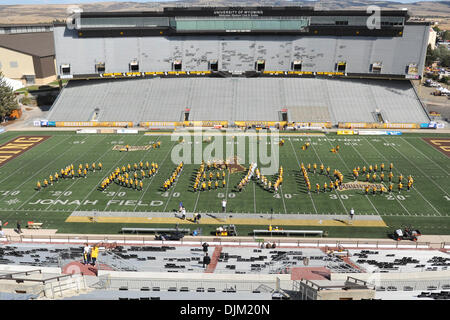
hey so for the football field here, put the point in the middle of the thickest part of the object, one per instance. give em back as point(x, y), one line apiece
point(69, 204)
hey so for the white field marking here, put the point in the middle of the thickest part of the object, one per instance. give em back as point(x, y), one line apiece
point(421, 171)
point(347, 169)
point(46, 153)
point(44, 167)
point(367, 163)
point(432, 148)
point(17, 187)
point(114, 165)
point(413, 186)
point(282, 197)
point(254, 197)
point(298, 162)
point(196, 201)
point(445, 171)
point(176, 182)
point(142, 159)
point(76, 180)
point(152, 178)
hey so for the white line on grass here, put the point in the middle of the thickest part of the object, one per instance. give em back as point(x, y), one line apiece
point(112, 167)
point(367, 163)
point(419, 170)
point(175, 184)
point(76, 180)
point(337, 194)
point(153, 178)
point(398, 170)
point(445, 171)
point(43, 154)
point(25, 181)
point(298, 162)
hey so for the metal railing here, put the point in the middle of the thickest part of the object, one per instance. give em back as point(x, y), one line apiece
point(241, 241)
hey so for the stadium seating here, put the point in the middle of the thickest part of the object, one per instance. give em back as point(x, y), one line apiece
point(238, 99)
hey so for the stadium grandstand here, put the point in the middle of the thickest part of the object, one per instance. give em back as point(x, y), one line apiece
point(293, 64)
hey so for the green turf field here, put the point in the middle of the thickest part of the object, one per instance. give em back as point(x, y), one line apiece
point(426, 206)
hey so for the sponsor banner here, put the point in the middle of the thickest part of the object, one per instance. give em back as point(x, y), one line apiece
point(440, 126)
point(37, 123)
point(127, 131)
point(92, 124)
point(312, 125)
point(44, 123)
point(394, 133)
point(345, 132)
point(372, 132)
point(87, 131)
point(301, 72)
point(17, 146)
point(260, 123)
point(400, 125)
point(351, 125)
point(160, 124)
point(205, 123)
point(107, 131)
point(2, 130)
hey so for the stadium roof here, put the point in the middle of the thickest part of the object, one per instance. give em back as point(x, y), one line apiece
point(38, 44)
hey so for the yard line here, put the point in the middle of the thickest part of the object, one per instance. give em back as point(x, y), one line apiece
point(337, 194)
point(295, 153)
point(44, 154)
point(446, 171)
point(367, 163)
point(153, 178)
point(176, 182)
point(254, 197)
point(398, 170)
point(76, 180)
point(112, 167)
point(17, 187)
point(143, 158)
point(401, 153)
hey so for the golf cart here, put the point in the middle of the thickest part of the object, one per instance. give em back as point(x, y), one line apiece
point(407, 233)
point(226, 231)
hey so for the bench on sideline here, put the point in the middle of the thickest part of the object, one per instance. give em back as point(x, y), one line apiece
point(154, 230)
point(288, 232)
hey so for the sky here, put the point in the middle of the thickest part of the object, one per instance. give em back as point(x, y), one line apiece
point(11, 2)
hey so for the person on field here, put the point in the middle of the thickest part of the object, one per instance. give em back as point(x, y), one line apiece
point(87, 254)
point(94, 254)
point(206, 260)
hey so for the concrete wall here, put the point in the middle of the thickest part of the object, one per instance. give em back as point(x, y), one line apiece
point(346, 294)
point(24, 64)
point(397, 276)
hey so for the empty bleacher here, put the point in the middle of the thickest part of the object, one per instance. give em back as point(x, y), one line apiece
point(238, 99)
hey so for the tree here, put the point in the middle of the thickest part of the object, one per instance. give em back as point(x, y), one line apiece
point(446, 35)
point(8, 101)
point(431, 56)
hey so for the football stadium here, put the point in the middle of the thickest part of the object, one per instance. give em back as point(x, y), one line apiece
point(289, 140)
